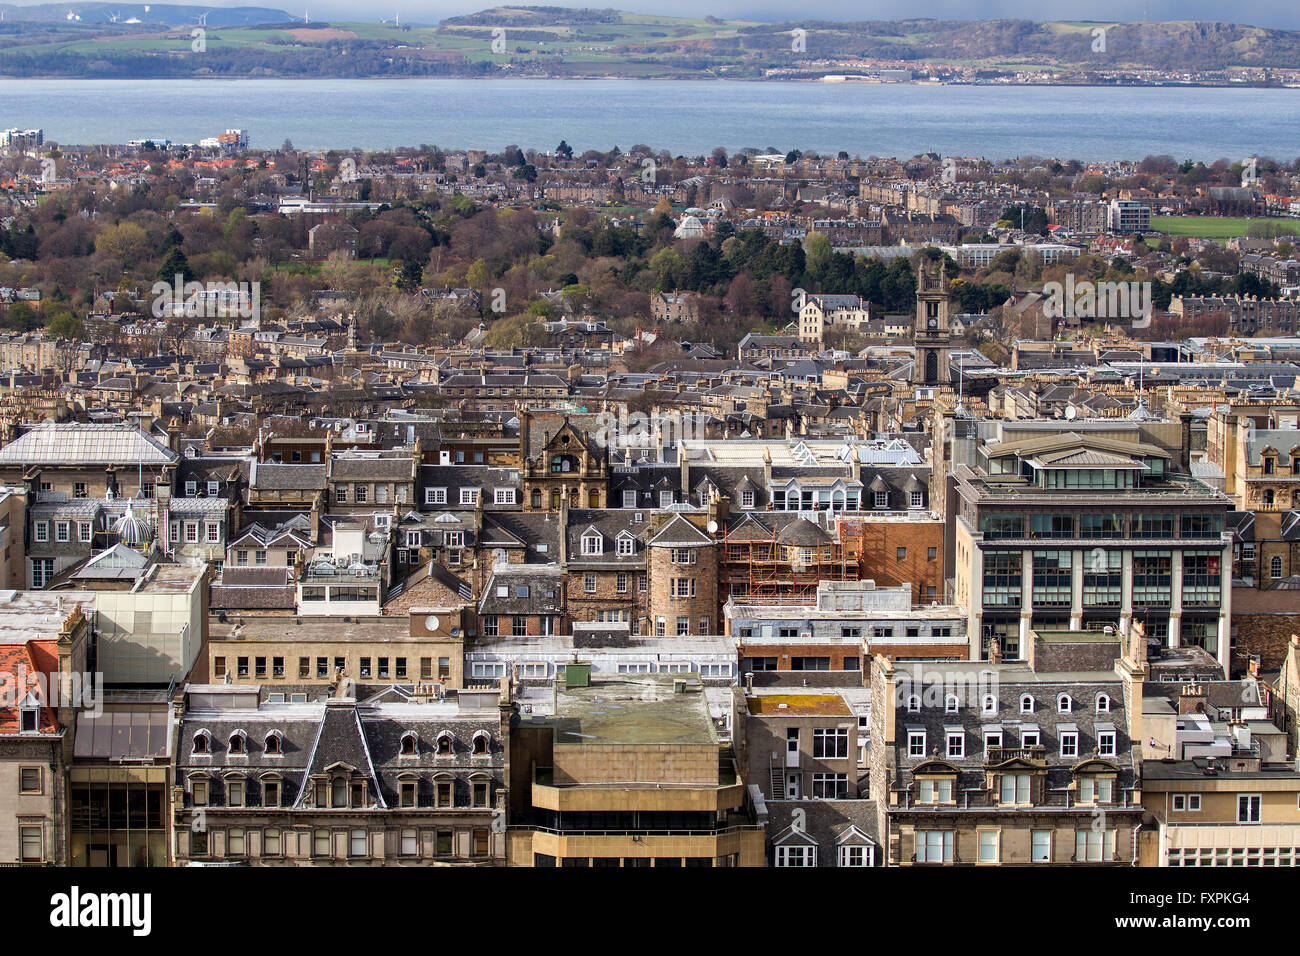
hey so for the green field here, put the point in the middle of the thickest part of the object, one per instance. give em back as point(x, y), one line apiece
point(1211, 227)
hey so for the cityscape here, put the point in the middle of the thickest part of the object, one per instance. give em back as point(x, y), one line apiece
point(512, 505)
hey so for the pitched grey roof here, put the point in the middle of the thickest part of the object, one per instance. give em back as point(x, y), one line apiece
point(77, 444)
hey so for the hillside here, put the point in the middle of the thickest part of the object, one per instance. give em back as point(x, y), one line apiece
point(114, 41)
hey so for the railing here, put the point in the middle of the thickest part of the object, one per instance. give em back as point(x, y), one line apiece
point(716, 831)
point(1001, 754)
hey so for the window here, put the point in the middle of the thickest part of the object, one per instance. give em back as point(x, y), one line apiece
point(1015, 788)
point(479, 794)
point(916, 500)
point(1187, 802)
point(410, 842)
point(503, 496)
point(934, 791)
point(236, 841)
point(1040, 846)
point(830, 786)
point(914, 704)
point(320, 843)
point(916, 743)
point(1094, 846)
point(801, 856)
point(482, 843)
point(1248, 808)
point(626, 545)
point(956, 744)
point(468, 496)
point(746, 500)
point(989, 705)
point(1064, 704)
point(1069, 744)
point(854, 856)
point(1106, 743)
point(83, 531)
point(271, 842)
point(831, 743)
point(1026, 704)
point(988, 850)
point(589, 583)
point(357, 843)
point(202, 743)
point(234, 793)
point(435, 496)
point(41, 531)
point(1274, 566)
point(29, 780)
point(934, 846)
point(620, 583)
point(271, 793)
point(272, 746)
point(592, 544)
point(33, 849)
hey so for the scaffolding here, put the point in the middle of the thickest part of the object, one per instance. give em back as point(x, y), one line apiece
point(770, 572)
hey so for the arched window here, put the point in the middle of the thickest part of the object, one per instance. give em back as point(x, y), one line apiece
point(444, 744)
point(951, 703)
point(1026, 703)
point(273, 743)
point(1063, 704)
point(237, 742)
point(536, 498)
point(990, 704)
point(202, 742)
point(914, 704)
point(1103, 704)
point(480, 743)
point(409, 744)
point(1275, 567)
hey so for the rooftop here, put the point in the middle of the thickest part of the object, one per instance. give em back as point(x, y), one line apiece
point(642, 709)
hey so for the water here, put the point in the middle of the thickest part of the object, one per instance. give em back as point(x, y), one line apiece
point(685, 117)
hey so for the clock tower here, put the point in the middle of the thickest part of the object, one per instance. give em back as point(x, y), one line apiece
point(931, 336)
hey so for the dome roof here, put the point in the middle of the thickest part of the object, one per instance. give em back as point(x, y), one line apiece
point(131, 529)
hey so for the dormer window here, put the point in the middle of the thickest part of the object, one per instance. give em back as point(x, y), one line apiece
point(592, 543)
point(339, 793)
point(480, 744)
point(951, 704)
point(410, 744)
point(444, 744)
point(202, 743)
point(1026, 704)
point(31, 720)
point(1103, 704)
point(273, 748)
point(989, 705)
point(914, 704)
point(238, 743)
point(626, 544)
point(1064, 705)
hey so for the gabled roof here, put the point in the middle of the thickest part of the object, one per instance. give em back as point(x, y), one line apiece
point(680, 533)
point(340, 741)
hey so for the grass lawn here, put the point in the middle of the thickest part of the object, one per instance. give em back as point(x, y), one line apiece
point(1212, 227)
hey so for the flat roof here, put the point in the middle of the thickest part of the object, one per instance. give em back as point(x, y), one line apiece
point(798, 705)
point(635, 709)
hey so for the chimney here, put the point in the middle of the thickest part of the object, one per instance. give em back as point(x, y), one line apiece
point(1192, 700)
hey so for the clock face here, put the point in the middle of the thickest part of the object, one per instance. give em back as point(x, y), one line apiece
point(934, 323)
point(431, 622)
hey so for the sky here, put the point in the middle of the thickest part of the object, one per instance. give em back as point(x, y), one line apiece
point(1283, 14)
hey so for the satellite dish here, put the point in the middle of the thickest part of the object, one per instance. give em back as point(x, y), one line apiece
point(713, 526)
point(431, 622)
point(1071, 412)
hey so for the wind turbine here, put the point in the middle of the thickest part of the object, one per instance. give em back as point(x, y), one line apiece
point(114, 17)
point(72, 16)
point(202, 19)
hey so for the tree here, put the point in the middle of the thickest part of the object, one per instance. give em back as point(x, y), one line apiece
point(479, 275)
point(564, 149)
point(408, 275)
point(20, 316)
point(125, 241)
point(176, 264)
point(63, 324)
